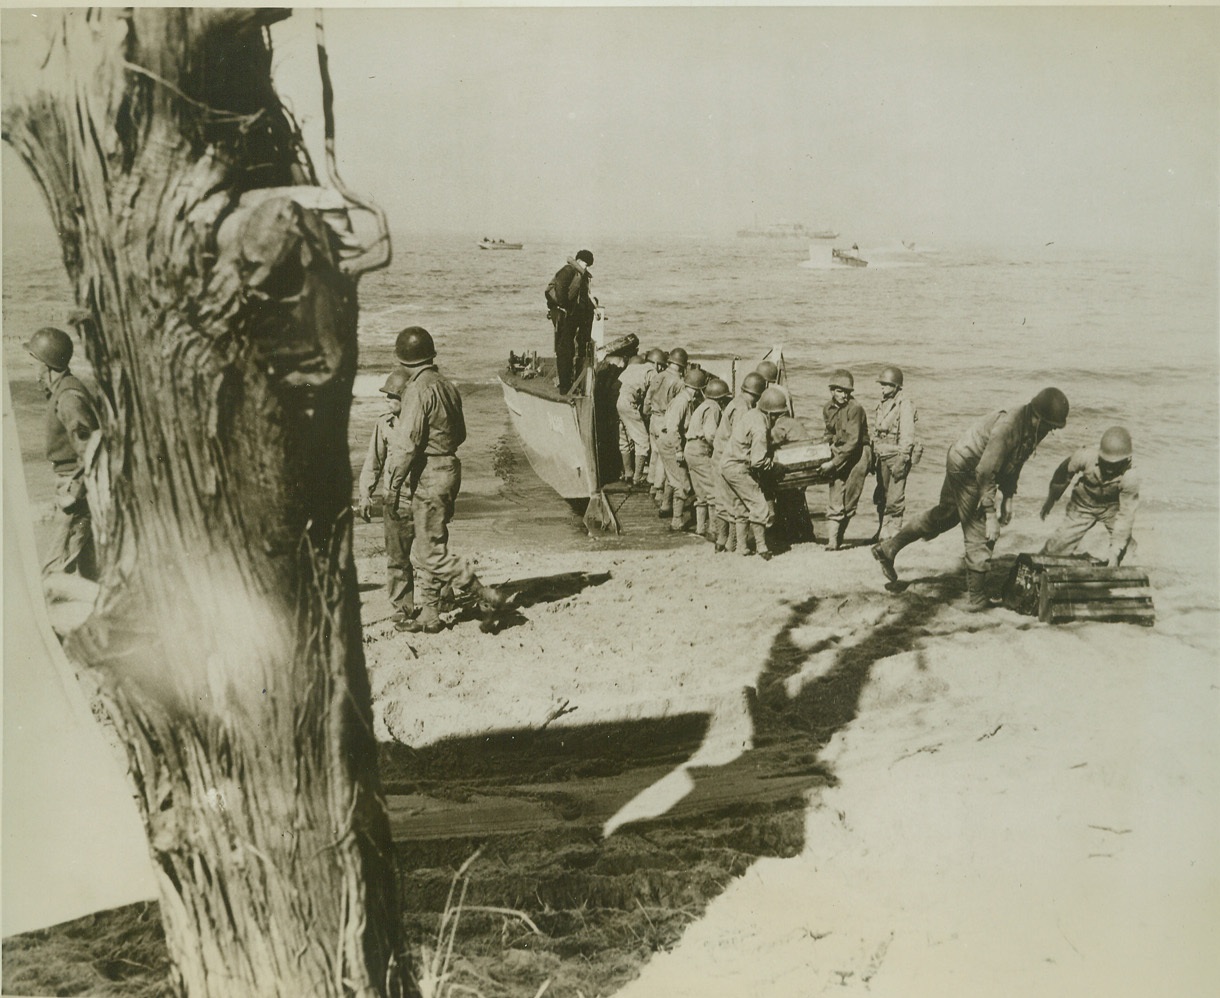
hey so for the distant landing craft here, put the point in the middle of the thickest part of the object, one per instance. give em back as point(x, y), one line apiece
point(498, 244)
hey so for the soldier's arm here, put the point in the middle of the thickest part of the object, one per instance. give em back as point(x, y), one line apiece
point(78, 419)
point(1059, 483)
point(906, 428)
point(1128, 503)
point(854, 430)
point(405, 440)
point(374, 462)
point(1004, 438)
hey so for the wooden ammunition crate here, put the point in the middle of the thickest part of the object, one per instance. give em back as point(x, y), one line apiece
point(1059, 589)
point(795, 466)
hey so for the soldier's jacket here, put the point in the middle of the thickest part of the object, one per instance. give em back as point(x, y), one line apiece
point(750, 441)
point(737, 405)
point(995, 449)
point(704, 422)
point(1096, 494)
point(665, 386)
point(677, 419)
point(846, 432)
point(71, 420)
point(633, 383)
point(376, 456)
point(894, 426)
point(431, 424)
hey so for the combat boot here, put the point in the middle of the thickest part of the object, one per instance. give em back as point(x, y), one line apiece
point(887, 550)
point(405, 609)
point(628, 462)
point(760, 541)
point(428, 621)
point(977, 599)
point(730, 536)
point(641, 461)
point(742, 529)
point(679, 521)
point(701, 522)
point(721, 538)
point(667, 503)
point(834, 540)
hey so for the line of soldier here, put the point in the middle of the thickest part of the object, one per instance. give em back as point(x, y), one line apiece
point(715, 454)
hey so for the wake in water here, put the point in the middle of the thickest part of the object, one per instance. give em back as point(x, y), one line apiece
point(821, 257)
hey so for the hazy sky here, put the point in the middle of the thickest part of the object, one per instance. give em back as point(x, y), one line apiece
point(1094, 126)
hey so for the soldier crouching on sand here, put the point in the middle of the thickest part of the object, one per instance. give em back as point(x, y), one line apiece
point(988, 457)
point(423, 461)
point(1107, 491)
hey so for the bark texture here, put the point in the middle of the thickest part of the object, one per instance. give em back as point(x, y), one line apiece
point(222, 327)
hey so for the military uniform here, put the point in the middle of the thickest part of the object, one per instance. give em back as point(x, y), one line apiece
point(423, 461)
point(700, 437)
point(632, 384)
point(571, 311)
point(673, 446)
point(847, 434)
point(747, 449)
point(664, 387)
point(739, 404)
point(397, 524)
point(71, 421)
point(1096, 499)
point(893, 438)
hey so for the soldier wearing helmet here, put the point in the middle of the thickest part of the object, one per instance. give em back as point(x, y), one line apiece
point(986, 459)
point(893, 444)
point(673, 443)
point(747, 456)
point(850, 455)
point(752, 386)
point(397, 527)
point(570, 308)
point(71, 423)
point(700, 437)
point(770, 373)
point(634, 445)
point(422, 462)
point(1107, 491)
point(664, 387)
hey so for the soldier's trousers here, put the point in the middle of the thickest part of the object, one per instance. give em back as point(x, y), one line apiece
point(399, 530)
point(632, 423)
point(431, 509)
point(699, 465)
point(890, 495)
point(656, 467)
point(746, 495)
point(70, 549)
point(847, 486)
point(676, 475)
point(1078, 521)
point(959, 503)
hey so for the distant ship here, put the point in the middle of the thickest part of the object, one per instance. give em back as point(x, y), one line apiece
point(786, 230)
point(850, 257)
point(498, 244)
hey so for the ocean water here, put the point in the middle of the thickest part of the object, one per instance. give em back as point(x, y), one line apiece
point(1131, 340)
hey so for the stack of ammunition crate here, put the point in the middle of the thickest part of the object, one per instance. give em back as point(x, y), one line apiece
point(1062, 589)
point(796, 466)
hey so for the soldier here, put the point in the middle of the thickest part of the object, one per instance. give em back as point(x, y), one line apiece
point(397, 525)
point(666, 385)
point(1107, 491)
point(990, 455)
point(673, 443)
point(632, 384)
point(752, 386)
point(770, 373)
point(423, 461)
point(570, 308)
point(894, 446)
point(71, 422)
point(850, 455)
point(700, 437)
point(748, 455)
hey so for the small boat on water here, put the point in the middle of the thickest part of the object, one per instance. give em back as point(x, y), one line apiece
point(498, 244)
point(825, 234)
point(849, 257)
point(571, 440)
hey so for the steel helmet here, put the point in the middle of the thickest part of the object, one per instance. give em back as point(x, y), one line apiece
point(655, 356)
point(1051, 406)
point(52, 347)
point(585, 257)
point(769, 370)
point(696, 377)
point(716, 388)
point(395, 382)
point(678, 356)
point(773, 400)
point(843, 379)
point(754, 384)
point(414, 346)
point(890, 376)
point(1115, 445)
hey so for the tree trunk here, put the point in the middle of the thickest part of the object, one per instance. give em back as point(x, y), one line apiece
point(226, 636)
